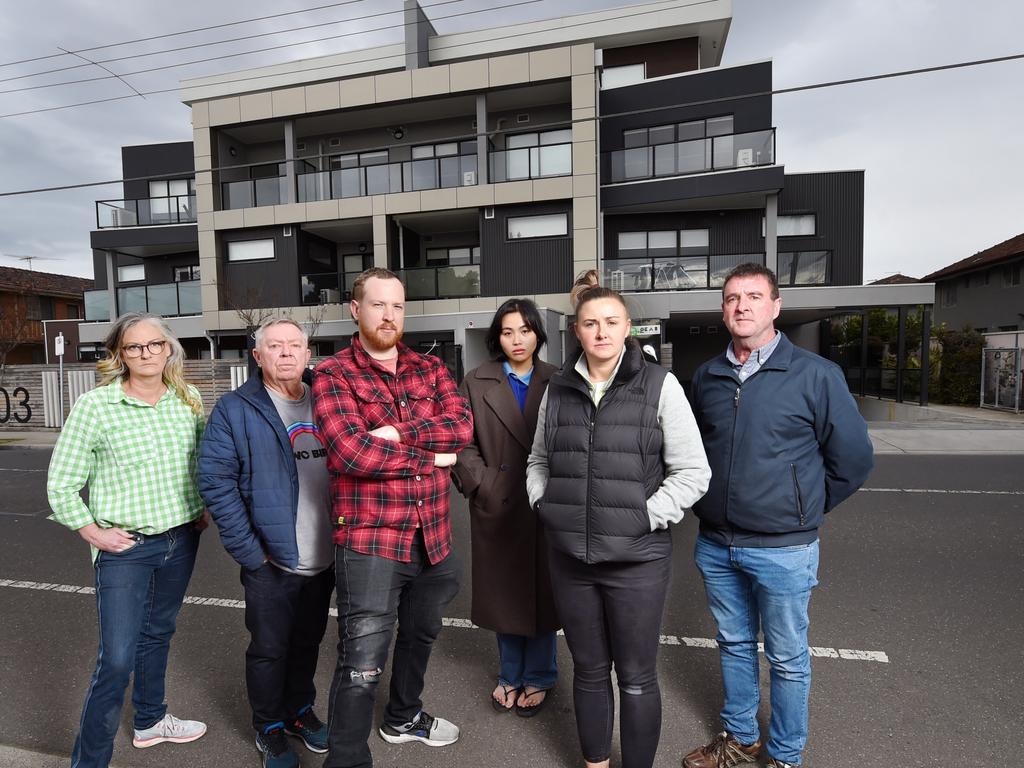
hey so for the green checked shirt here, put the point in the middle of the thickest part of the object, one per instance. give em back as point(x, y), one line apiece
point(139, 461)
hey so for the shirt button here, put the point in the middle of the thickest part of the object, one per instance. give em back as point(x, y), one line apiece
point(418, 477)
point(419, 503)
point(402, 403)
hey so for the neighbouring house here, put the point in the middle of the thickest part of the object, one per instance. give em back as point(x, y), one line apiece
point(983, 291)
point(27, 298)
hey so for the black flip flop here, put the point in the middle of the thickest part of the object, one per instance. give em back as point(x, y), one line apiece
point(532, 711)
point(498, 706)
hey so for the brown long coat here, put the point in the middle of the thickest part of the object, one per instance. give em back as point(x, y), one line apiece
point(511, 584)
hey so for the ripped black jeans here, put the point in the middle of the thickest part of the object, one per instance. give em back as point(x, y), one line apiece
point(373, 594)
point(612, 613)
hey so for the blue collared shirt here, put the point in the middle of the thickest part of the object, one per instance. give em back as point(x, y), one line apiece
point(756, 359)
point(519, 384)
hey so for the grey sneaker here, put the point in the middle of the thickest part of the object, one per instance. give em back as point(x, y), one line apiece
point(169, 729)
point(432, 731)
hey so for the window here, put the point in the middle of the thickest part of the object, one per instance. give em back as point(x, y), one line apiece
point(679, 148)
point(549, 225)
point(1011, 275)
point(535, 155)
point(131, 273)
point(804, 224)
point(804, 268)
point(949, 294)
point(72, 311)
point(185, 274)
point(659, 260)
point(172, 187)
point(629, 74)
point(443, 257)
point(251, 250)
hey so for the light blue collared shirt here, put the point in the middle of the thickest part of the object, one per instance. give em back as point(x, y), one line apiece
point(756, 359)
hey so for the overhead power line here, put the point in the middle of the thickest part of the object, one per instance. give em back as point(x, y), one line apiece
point(233, 80)
point(648, 110)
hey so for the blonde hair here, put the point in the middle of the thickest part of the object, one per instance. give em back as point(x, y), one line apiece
point(113, 367)
point(584, 282)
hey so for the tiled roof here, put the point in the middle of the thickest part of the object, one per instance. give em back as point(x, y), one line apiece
point(1006, 250)
point(42, 283)
point(897, 279)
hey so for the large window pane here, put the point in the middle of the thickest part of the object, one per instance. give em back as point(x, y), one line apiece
point(562, 136)
point(687, 131)
point(665, 160)
point(661, 244)
point(632, 244)
point(627, 275)
point(131, 273)
point(163, 299)
point(811, 268)
point(636, 163)
point(629, 74)
point(521, 140)
point(458, 281)
point(790, 226)
point(691, 156)
point(634, 138)
point(723, 263)
point(251, 250)
point(556, 160)
point(97, 305)
point(190, 300)
point(517, 164)
point(719, 126)
point(131, 299)
point(694, 242)
point(550, 225)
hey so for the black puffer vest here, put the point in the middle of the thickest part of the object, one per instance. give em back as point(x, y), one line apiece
point(604, 463)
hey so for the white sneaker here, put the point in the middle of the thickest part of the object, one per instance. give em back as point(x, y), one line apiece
point(432, 731)
point(169, 729)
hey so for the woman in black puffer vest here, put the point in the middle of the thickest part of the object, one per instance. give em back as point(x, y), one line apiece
point(616, 457)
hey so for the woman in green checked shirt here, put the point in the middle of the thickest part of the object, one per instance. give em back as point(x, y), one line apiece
point(133, 440)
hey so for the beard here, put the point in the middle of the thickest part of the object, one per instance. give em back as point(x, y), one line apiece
point(379, 341)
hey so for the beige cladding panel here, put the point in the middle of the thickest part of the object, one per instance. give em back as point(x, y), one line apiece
point(584, 244)
point(380, 230)
point(204, 197)
point(379, 204)
point(292, 213)
point(256, 106)
point(584, 185)
point(440, 307)
point(289, 101)
point(259, 217)
point(203, 165)
point(323, 210)
point(508, 70)
point(357, 92)
point(201, 141)
point(556, 301)
point(438, 199)
point(355, 207)
point(430, 81)
point(205, 221)
point(583, 91)
point(200, 114)
point(228, 219)
point(413, 308)
point(513, 192)
point(225, 111)
point(211, 320)
point(583, 59)
point(478, 304)
point(557, 188)
point(207, 271)
point(550, 63)
point(475, 196)
point(393, 86)
point(207, 245)
point(583, 157)
point(403, 202)
point(468, 76)
point(584, 130)
point(321, 97)
point(584, 212)
point(210, 298)
point(587, 113)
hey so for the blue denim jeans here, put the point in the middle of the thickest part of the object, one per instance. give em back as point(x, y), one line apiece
point(529, 661)
point(766, 588)
point(374, 593)
point(138, 596)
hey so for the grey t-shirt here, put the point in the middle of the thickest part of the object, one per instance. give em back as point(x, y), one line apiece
point(312, 521)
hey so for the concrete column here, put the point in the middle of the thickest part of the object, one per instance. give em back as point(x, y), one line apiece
point(483, 174)
point(289, 159)
point(111, 289)
point(771, 229)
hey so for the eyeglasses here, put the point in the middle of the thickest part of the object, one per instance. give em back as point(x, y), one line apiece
point(135, 350)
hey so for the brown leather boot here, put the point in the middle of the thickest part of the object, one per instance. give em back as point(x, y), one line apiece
point(723, 752)
point(773, 763)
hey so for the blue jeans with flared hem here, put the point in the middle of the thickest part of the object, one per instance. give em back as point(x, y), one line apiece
point(766, 588)
point(531, 661)
point(138, 595)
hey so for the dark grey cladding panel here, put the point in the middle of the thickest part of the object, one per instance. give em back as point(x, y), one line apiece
point(155, 161)
point(184, 236)
point(273, 283)
point(710, 185)
point(710, 94)
point(524, 267)
point(837, 201)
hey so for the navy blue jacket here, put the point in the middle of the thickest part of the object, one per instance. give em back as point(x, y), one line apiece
point(785, 447)
point(248, 479)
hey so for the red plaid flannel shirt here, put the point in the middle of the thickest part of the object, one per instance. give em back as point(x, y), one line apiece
point(382, 490)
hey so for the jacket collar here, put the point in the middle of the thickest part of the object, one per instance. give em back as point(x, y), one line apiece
point(630, 364)
point(501, 400)
point(254, 392)
point(363, 358)
point(779, 360)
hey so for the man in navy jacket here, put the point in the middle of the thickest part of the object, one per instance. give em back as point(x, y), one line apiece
point(263, 476)
point(786, 445)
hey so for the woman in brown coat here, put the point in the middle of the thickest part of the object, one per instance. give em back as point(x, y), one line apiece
point(511, 586)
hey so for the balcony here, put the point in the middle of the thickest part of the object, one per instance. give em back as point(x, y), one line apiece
point(531, 163)
point(252, 193)
point(682, 158)
point(146, 212)
point(449, 282)
point(673, 273)
point(165, 299)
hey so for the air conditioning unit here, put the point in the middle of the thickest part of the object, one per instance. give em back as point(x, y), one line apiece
point(468, 178)
point(744, 157)
point(330, 296)
point(617, 280)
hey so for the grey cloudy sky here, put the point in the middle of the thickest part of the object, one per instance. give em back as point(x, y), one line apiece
point(942, 152)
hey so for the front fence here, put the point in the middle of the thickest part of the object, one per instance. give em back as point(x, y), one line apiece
point(1001, 375)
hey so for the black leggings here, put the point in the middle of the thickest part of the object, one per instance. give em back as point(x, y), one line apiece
point(612, 615)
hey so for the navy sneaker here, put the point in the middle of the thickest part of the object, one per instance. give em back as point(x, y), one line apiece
point(275, 749)
point(308, 727)
point(432, 731)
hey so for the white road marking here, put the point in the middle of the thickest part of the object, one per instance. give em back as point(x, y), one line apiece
point(15, 469)
point(689, 642)
point(943, 490)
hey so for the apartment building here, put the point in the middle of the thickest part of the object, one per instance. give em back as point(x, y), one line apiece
point(503, 162)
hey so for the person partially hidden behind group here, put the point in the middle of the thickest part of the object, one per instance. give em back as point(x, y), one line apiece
point(616, 458)
point(133, 441)
point(511, 582)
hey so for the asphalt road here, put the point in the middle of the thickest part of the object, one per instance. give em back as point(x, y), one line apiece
point(917, 627)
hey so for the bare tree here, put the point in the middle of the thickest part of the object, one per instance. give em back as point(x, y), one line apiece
point(15, 328)
point(314, 319)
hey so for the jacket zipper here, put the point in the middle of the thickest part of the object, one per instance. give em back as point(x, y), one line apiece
point(732, 445)
point(590, 473)
point(796, 492)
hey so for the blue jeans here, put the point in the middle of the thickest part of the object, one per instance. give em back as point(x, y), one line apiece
point(374, 593)
point(768, 588)
point(138, 596)
point(529, 661)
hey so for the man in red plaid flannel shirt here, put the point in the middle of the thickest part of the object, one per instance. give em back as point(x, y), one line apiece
point(393, 421)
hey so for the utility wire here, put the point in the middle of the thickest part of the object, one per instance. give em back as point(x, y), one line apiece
point(182, 32)
point(718, 100)
point(234, 80)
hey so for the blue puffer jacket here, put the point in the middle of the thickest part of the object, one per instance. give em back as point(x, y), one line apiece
point(248, 479)
point(785, 447)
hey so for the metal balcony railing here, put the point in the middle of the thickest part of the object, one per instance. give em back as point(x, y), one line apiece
point(451, 282)
point(146, 212)
point(681, 158)
point(166, 299)
point(531, 163)
point(387, 178)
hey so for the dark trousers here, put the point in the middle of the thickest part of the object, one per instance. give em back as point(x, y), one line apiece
point(373, 594)
point(286, 615)
point(612, 614)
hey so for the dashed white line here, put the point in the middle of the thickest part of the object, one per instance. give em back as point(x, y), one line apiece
point(689, 642)
point(943, 490)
